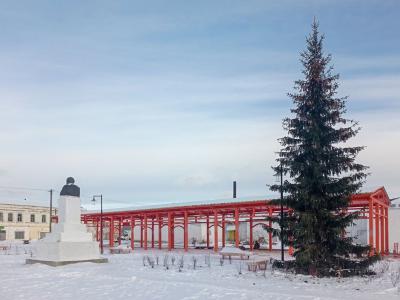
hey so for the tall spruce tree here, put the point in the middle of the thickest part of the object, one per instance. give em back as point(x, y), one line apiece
point(320, 169)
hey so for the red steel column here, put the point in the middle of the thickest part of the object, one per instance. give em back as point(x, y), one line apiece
point(185, 231)
point(145, 232)
point(251, 230)
point(208, 228)
point(378, 248)
point(97, 230)
point(223, 231)
point(237, 227)
point(383, 248)
point(173, 231)
point(371, 224)
point(169, 232)
point(386, 230)
point(215, 231)
point(111, 233)
point(152, 232)
point(159, 232)
point(99, 224)
point(132, 233)
point(270, 233)
point(141, 232)
point(119, 231)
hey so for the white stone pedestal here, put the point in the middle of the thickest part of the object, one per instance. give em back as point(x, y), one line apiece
point(69, 241)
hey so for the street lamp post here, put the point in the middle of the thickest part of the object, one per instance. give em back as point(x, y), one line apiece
point(51, 208)
point(101, 219)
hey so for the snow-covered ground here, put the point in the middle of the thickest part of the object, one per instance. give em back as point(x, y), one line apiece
point(125, 277)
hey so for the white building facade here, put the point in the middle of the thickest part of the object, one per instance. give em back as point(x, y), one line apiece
point(23, 222)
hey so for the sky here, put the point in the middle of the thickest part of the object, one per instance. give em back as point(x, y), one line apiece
point(152, 102)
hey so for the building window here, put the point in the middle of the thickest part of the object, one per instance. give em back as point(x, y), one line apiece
point(10, 217)
point(19, 218)
point(43, 218)
point(19, 235)
point(1, 217)
point(32, 218)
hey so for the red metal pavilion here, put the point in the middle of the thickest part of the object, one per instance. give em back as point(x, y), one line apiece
point(372, 206)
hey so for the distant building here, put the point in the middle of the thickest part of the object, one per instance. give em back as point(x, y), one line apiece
point(23, 222)
point(394, 225)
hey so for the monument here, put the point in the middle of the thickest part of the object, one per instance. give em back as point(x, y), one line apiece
point(69, 242)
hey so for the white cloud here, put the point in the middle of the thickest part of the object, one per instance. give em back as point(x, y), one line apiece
point(373, 88)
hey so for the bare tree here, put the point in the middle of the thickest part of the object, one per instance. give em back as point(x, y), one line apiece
point(181, 263)
point(194, 261)
point(207, 260)
point(239, 267)
point(381, 267)
point(395, 276)
point(144, 260)
point(150, 261)
point(166, 261)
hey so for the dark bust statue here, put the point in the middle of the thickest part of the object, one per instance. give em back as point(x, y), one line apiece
point(70, 189)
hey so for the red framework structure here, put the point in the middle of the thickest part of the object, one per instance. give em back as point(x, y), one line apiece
point(372, 206)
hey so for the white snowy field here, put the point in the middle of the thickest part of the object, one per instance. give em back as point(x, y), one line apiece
point(125, 277)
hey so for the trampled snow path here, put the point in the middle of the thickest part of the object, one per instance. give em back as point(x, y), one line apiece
point(125, 277)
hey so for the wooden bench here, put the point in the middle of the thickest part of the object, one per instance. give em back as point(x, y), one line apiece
point(257, 262)
point(234, 252)
point(117, 250)
point(240, 255)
